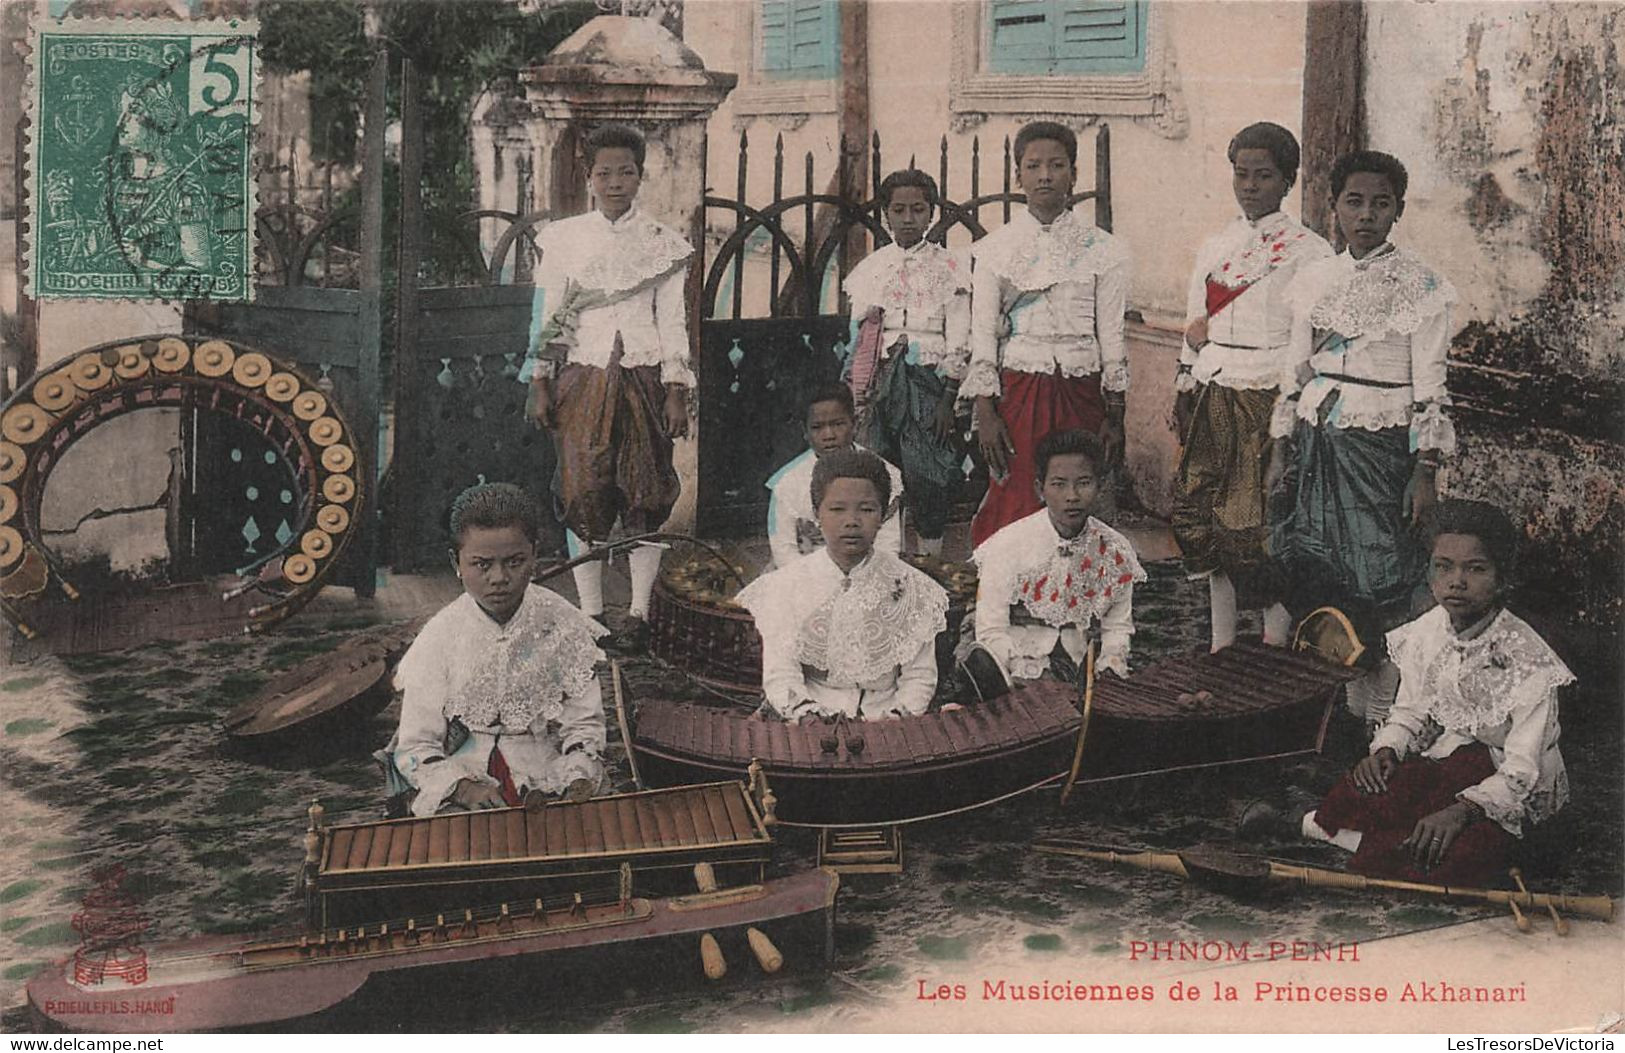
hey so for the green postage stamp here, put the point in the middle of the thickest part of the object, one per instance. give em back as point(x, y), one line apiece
point(140, 168)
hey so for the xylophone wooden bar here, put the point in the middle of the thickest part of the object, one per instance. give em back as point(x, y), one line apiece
point(374, 870)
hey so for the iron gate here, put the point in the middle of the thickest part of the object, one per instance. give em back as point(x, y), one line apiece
point(755, 372)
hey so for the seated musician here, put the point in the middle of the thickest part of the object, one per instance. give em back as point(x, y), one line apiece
point(1045, 578)
point(850, 629)
point(792, 523)
point(1468, 756)
point(500, 696)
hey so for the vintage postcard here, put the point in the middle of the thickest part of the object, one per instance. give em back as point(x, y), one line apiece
point(1041, 516)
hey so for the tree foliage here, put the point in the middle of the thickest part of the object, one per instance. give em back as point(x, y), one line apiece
point(460, 49)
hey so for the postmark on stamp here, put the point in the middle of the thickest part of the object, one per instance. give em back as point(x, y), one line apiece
point(141, 184)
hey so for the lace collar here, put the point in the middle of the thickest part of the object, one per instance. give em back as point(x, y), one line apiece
point(1389, 290)
point(614, 256)
point(1474, 684)
point(1032, 257)
point(1066, 581)
point(1255, 248)
point(921, 278)
point(856, 627)
point(512, 673)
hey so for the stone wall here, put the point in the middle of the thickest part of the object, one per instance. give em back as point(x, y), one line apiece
point(1511, 119)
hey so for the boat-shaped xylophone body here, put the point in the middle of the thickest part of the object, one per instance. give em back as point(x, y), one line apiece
point(449, 962)
point(457, 913)
point(1248, 702)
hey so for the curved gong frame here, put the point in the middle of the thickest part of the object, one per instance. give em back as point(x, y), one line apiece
point(57, 408)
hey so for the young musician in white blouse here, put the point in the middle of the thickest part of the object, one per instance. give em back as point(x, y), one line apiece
point(1046, 328)
point(1236, 345)
point(500, 697)
point(1468, 758)
point(1362, 419)
point(608, 367)
point(1046, 579)
point(910, 345)
point(848, 630)
point(792, 518)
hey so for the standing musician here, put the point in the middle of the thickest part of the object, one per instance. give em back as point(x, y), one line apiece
point(1236, 344)
point(850, 629)
point(608, 368)
point(910, 346)
point(1362, 419)
point(500, 695)
point(1045, 578)
point(1046, 329)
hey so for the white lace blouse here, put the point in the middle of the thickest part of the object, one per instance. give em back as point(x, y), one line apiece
point(526, 685)
point(1394, 311)
point(1248, 337)
point(1063, 585)
point(861, 644)
point(925, 292)
point(1498, 687)
point(1047, 298)
point(636, 261)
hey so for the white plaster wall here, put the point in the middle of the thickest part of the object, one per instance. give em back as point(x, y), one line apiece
point(1455, 91)
point(67, 327)
point(124, 464)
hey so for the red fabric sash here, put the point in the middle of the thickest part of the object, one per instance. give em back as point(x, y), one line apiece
point(866, 356)
point(1220, 295)
point(497, 769)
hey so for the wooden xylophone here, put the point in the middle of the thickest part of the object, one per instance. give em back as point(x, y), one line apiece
point(393, 867)
point(1248, 702)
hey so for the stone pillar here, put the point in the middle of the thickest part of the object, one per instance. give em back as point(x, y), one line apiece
point(617, 69)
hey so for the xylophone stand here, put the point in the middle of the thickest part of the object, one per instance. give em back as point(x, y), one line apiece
point(861, 849)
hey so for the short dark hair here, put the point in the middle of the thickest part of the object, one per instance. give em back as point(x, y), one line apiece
point(851, 464)
point(1281, 144)
point(908, 177)
point(1062, 443)
point(616, 137)
point(492, 506)
point(1484, 521)
point(1033, 131)
point(834, 391)
point(1375, 161)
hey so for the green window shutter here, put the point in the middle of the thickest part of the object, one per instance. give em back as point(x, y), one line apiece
point(1100, 36)
point(800, 39)
point(1021, 36)
point(775, 32)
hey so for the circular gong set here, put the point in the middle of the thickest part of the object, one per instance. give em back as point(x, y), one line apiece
point(59, 406)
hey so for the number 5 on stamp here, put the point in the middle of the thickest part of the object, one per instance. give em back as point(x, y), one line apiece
point(218, 78)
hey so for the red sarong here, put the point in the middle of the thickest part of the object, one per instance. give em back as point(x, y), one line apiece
point(1417, 788)
point(1033, 405)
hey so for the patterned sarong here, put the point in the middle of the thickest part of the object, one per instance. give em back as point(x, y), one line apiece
point(614, 454)
point(1344, 538)
point(1033, 405)
point(1220, 518)
point(901, 428)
